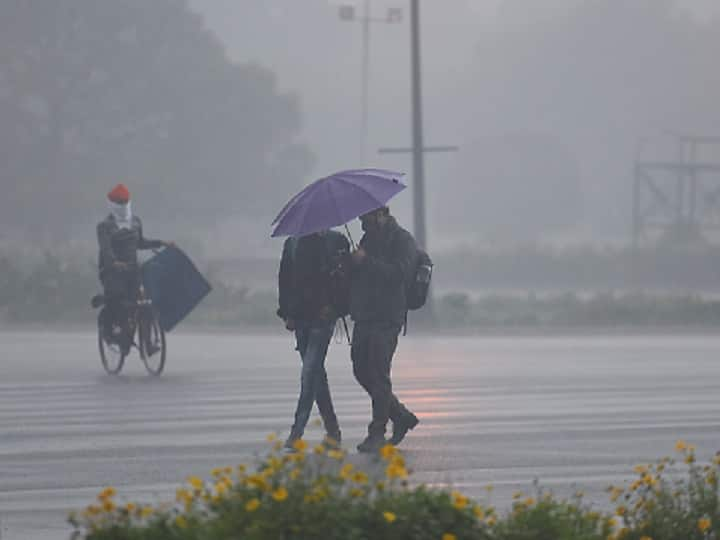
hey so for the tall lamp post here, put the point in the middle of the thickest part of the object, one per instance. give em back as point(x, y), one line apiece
point(348, 12)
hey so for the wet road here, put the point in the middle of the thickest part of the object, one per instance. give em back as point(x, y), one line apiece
point(573, 412)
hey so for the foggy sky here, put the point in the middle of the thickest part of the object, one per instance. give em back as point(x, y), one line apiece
point(317, 56)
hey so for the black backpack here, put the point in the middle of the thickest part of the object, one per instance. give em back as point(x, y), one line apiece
point(418, 287)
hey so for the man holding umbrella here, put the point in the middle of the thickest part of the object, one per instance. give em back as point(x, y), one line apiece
point(382, 266)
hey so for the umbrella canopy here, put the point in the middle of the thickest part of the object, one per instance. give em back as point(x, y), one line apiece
point(337, 199)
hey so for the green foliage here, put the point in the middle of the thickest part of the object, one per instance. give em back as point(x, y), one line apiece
point(323, 496)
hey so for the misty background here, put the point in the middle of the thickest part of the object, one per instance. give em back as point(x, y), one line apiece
point(215, 112)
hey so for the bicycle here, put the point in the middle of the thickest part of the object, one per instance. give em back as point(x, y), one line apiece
point(143, 321)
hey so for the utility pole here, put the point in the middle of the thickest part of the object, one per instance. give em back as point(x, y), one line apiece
point(348, 13)
point(418, 149)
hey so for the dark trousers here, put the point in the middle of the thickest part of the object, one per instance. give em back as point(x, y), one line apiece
point(312, 344)
point(120, 286)
point(373, 346)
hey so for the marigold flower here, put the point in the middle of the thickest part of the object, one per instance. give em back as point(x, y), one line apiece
point(460, 501)
point(616, 493)
point(449, 536)
point(396, 471)
point(388, 451)
point(478, 511)
point(241, 468)
point(621, 510)
point(280, 494)
point(491, 520)
point(357, 492)
point(704, 524)
point(107, 493)
point(389, 517)
point(300, 445)
point(272, 437)
point(294, 474)
point(680, 446)
point(146, 511)
point(181, 522)
point(195, 482)
point(108, 506)
point(252, 505)
point(336, 454)
point(346, 471)
point(360, 478)
point(319, 449)
point(529, 501)
point(130, 508)
point(92, 510)
point(690, 459)
point(518, 495)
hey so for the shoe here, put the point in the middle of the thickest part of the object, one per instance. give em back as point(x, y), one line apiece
point(402, 427)
point(291, 440)
point(371, 444)
point(332, 440)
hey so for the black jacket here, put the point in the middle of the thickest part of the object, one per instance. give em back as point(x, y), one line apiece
point(312, 277)
point(378, 285)
point(121, 244)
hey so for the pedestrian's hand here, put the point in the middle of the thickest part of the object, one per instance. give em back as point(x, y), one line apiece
point(358, 255)
point(289, 324)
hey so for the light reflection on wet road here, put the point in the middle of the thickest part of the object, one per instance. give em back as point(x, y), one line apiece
point(573, 412)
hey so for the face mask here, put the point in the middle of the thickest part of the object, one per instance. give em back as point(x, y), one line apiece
point(122, 214)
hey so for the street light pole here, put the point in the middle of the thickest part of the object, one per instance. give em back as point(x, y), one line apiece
point(347, 13)
point(417, 128)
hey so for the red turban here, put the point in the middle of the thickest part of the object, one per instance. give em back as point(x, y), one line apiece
point(119, 194)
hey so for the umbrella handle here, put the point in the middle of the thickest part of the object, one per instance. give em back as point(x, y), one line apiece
point(352, 242)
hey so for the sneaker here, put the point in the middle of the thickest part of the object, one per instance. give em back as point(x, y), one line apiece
point(402, 427)
point(371, 444)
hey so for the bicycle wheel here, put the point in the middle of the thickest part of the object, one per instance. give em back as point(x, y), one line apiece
point(152, 342)
point(111, 354)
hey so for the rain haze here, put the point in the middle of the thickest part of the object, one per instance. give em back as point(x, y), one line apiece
point(572, 209)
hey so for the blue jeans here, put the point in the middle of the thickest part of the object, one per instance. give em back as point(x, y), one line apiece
point(312, 344)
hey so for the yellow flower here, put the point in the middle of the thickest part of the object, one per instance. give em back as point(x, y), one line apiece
point(388, 451)
point(221, 488)
point(396, 471)
point(529, 501)
point(272, 437)
point(319, 449)
point(360, 478)
point(357, 492)
point(491, 520)
point(241, 469)
point(181, 522)
point(640, 469)
point(252, 505)
point(460, 501)
point(336, 454)
point(346, 471)
point(449, 536)
point(704, 524)
point(646, 538)
point(680, 446)
point(280, 494)
point(217, 471)
point(300, 445)
point(294, 474)
point(183, 495)
point(616, 492)
point(146, 511)
point(389, 517)
point(479, 512)
point(621, 510)
point(195, 482)
point(130, 507)
point(107, 493)
point(108, 505)
point(518, 495)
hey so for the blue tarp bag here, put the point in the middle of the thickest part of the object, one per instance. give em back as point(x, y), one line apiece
point(174, 285)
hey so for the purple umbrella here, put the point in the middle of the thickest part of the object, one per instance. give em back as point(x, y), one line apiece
point(337, 199)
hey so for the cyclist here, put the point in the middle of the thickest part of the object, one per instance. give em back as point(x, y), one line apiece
point(120, 236)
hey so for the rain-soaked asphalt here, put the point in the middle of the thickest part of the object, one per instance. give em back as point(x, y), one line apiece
point(573, 412)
